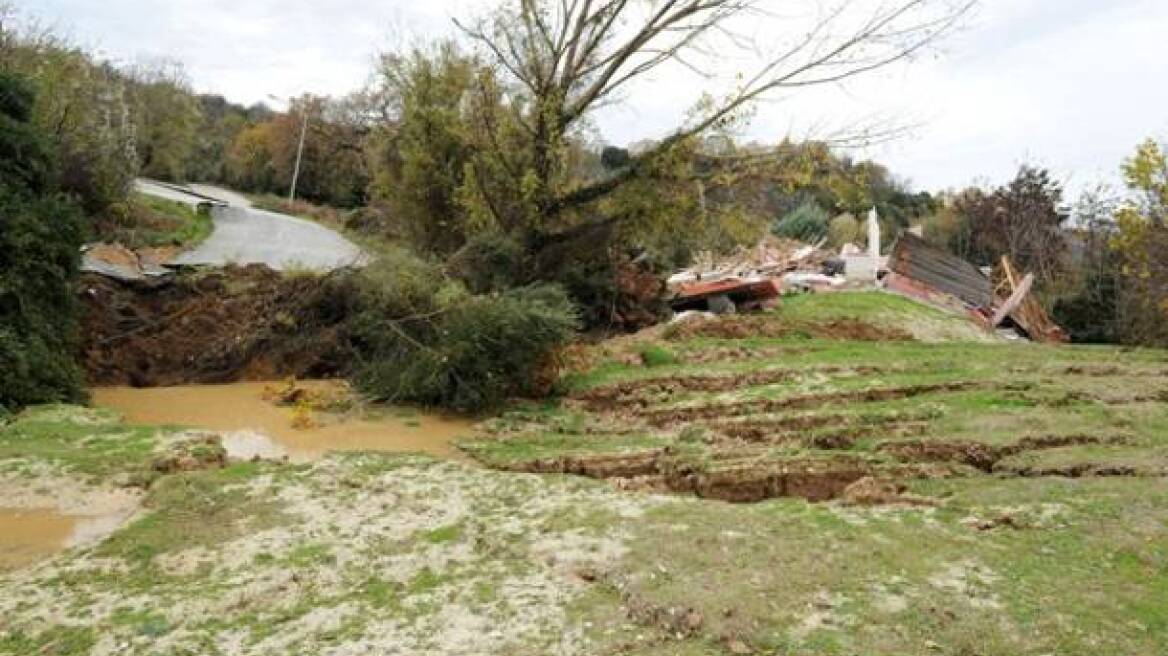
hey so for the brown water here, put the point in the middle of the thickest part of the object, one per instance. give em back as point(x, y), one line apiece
point(255, 426)
point(31, 534)
point(26, 536)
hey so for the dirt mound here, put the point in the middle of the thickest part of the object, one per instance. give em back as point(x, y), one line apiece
point(194, 453)
point(871, 491)
point(246, 323)
point(765, 325)
point(1077, 470)
point(837, 431)
point(601, 465)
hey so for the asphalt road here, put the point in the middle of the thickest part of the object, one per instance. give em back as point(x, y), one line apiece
point(244, 235)
point(247, 236)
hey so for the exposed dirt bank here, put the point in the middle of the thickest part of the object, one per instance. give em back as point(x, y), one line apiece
point(684, 414)
point(985, 456)
point(769, 326)
point(240, 323)
point(744, 480)
point(641, 392)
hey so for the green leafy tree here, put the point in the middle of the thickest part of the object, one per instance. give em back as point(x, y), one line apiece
point(1142, 246)
point(1146, 175)
point(250, 159)
point(166, 115)
point(422, 147)
point(422, 337)
point(220, 122)
point(81, 108)
point(808, 223)
point(40, 236)
point(844, 229)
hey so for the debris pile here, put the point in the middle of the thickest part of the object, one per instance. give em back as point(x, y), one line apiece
point(750, 278)
point(195, 452)
point(335, 396)
point(773, 256)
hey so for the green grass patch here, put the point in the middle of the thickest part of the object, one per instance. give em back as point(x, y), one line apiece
point(443, 534)
point(795, 578)
point(142, 622)
point(81, 440)
point(525, 448)
point(658, 356)
point(57, 640)
point(147, 221)
point(309, 555)
point(195, 509)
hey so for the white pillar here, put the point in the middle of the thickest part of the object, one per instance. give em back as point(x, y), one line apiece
point(874, 240)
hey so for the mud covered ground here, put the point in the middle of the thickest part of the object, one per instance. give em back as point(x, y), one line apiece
point(903, 497)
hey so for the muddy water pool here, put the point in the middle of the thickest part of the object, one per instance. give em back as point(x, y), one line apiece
point(31, 534)
point(32, 529)
point(254, 426)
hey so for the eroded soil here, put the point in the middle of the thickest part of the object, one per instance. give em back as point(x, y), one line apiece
point(808, 418)
point(971, 498)
point(240, 323)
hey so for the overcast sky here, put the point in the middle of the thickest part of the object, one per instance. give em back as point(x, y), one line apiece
point(1068, 84)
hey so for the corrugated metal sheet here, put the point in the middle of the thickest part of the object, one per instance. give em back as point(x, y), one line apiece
point(914, 258)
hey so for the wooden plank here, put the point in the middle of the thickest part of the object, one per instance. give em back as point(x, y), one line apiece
point(1015, 301)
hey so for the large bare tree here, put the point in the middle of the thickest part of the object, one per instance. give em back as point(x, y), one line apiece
point(567, 58)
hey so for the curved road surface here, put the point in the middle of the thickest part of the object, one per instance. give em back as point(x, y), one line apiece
point(244, 235)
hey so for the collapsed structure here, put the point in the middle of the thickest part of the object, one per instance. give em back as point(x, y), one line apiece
point(936, 276)
point(755, 278)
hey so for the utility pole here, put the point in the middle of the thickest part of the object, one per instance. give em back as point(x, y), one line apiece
point(299, 153)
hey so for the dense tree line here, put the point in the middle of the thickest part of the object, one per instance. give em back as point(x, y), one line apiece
point(40, 234)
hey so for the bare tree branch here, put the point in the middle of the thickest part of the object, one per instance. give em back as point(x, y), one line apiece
point(569, 57)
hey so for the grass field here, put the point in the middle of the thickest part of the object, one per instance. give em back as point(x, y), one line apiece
point(853, 474)
point(147, 221)
point(982, 497)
